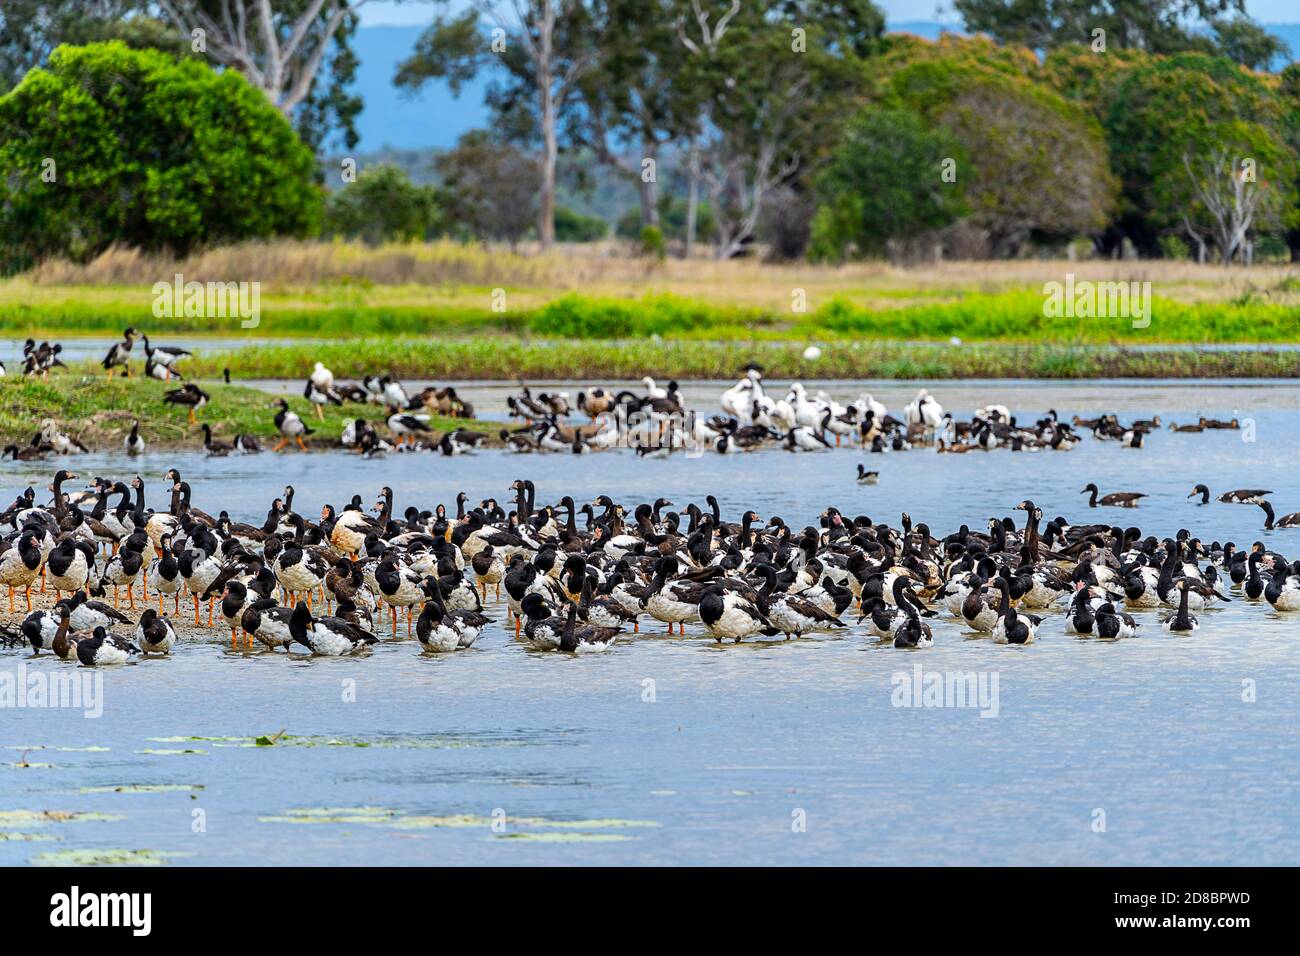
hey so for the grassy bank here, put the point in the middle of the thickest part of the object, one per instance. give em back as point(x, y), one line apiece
point(444, 289)
point(511, 358)
point(100, 412)
point(1001, 317)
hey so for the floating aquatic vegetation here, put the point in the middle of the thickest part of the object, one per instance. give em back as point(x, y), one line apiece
point(26, 837)
point(553, 837)
point(531, 828)
point(68, 750)
point(102, 857)
point(23, 819)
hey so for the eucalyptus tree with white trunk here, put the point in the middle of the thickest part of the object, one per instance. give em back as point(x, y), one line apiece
point(1228, 190)
point(279, 45)
point(545, 47)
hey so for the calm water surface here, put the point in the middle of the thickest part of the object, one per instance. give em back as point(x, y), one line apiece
point(671, 751)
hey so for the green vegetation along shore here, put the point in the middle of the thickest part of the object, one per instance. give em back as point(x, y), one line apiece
point(100, 411)
point(1016, 316)
point(511, 358)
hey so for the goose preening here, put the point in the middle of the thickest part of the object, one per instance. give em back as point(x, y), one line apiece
point(327, 636)
point(164, 358)
point(190, 397)
point(102, 649)
point(1117, 499)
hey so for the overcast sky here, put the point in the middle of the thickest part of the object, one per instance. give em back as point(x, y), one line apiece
point(421, 11)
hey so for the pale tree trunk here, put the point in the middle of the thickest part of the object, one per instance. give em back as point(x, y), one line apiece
point(649, 187)
point(692, 199)
point(243, 36)
point(543, 64)
point(1231, 200)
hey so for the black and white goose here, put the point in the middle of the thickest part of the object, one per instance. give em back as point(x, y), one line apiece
point(327, 636)
point(88, 615)
point(215, 448)
point(442, 630)
point(914, 633)
point(1181, 621)
point(154, 633)
point(119, 354)
point(167, 357)
point(134, 443)
point(290, 426)
point(727, 614)
point(267, 622)
point(405, 426)
point(1242, 496)
point(1271, 521)
point(69, 565)
point(1283, 590)
point(102, 649)
point(190, 397)
point(1116, 499)
point(867, 477)
point(1012, 628)
point(542, 628)
point(1113, 625)
point(578, 638)
point(20, 564)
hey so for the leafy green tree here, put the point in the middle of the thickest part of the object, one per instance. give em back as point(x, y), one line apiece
point(544, 46)
point(1244, 41)
point(632, 97)
point(111, 145)
point(30, 29)
point(573, 226)
point(1169, 110)
point(774, 81)
point(382, 205)
point(489, 188)
point(885, 183)
point(1037, 163)
point(1289, 93)
point(1160, 26)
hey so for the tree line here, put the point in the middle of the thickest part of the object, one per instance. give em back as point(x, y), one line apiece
point(1148, 127)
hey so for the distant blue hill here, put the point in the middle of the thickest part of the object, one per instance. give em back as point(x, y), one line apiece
point(436, 119)
point(395, 118)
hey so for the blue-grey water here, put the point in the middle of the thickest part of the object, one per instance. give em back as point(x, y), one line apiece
point(1155, 750)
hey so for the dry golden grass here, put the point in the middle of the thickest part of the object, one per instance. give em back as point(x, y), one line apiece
point(455, 274)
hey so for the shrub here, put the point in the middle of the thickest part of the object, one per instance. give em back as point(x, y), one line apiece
point(382, 205)
point(112, 145)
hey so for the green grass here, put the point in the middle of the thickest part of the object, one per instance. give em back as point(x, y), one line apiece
point(100, 411)
point(1016, 316)
point(512, 358)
